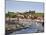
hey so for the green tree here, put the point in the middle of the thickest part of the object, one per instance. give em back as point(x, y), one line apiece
point(14, 16)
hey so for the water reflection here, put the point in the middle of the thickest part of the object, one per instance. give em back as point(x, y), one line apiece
point(34, 28)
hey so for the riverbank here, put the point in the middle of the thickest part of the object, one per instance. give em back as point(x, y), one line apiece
point(32, 29)
point(10, 28)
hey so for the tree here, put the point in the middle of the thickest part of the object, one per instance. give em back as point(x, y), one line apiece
point(14, 16)
point(9, 14)
point(6, 15)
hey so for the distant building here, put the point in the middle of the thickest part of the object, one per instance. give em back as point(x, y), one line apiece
point(31, 11)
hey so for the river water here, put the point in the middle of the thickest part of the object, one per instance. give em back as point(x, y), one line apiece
point(35, 28)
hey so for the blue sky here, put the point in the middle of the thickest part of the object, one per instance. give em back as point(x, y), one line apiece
point(15, 6)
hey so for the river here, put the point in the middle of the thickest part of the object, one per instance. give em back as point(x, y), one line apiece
point(35, 28)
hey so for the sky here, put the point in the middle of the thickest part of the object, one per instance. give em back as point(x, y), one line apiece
point(22, 6)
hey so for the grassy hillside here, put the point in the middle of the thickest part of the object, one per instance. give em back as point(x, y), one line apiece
point(38, 14)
